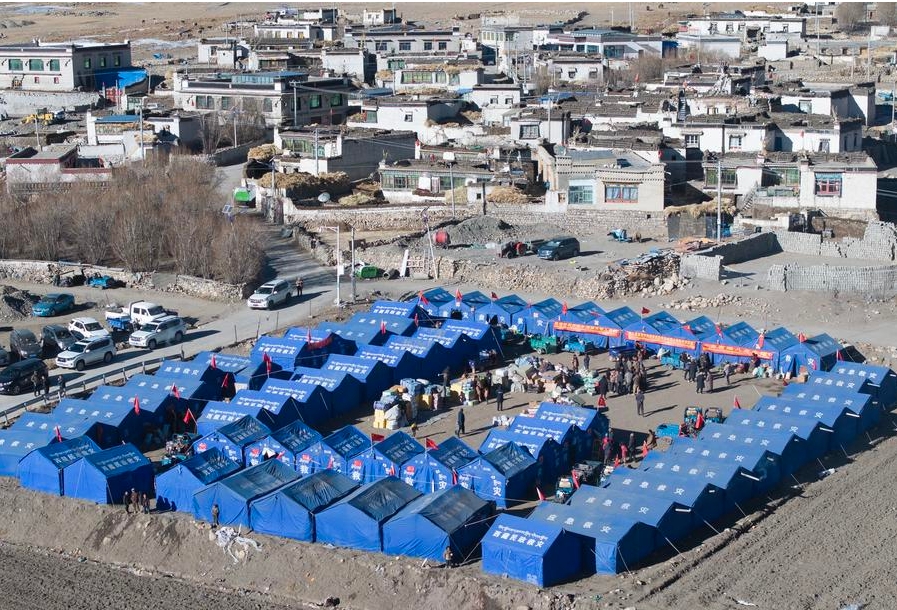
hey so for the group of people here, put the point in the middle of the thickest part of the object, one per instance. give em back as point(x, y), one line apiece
point(698, 371)
point(40, 380)
point(139, 501)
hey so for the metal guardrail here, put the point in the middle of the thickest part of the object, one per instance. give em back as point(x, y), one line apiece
point(83, 385)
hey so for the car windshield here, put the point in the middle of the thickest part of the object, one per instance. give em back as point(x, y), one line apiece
point(149, 328)
point(26, 337)
point(78, 347)
point(92, 326)
point(155, 311)
point(63, 334)
point(554, 243)
point(265, 290)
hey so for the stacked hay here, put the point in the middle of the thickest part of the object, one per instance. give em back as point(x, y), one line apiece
point(303, 185)
point(507, 194)
point(264, 152)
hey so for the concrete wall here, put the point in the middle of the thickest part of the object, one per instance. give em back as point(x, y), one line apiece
point(23, 103)
point(799, 243)
point(874, 282)
point(755, 246)
point(701, 266)
point(233, 155)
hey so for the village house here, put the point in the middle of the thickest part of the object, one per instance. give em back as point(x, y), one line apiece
point(57, 66)
point(571, 68)
point(533, 126)
point(354, 63)
point(745, 27)
point(493, 101)
point(116, 137)
point(381, 16)
point(454, 75)
point(612, 44)
point(399, 39)
point(434, 119)
point(832, 99)
point(422, 180)
point(228, 53)
point(56, 166)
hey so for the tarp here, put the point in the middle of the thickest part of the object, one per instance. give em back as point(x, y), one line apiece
point(736, 343)
point(404, 309)
point(466, 308)
point(458, 345)
point(432, 357)
point(504, 475)
point(776, 341)
point(15, 445)
point(735, 481)
point(192, 370)
point(403, 365)
point(49, 424)
point(811, 431)
point(667, 517)
point(294, 445)
point(357, 520)
point(817, 353)
point(538, 317)
point(394, 325)
point(707, 501)
point(341, 447)
point(385, 458)
point(484, 337)
point(575, 444)
point(345, 390)
point(454, 517)
point(859, 403)
point(843, 423)
point(590, 421)
point(373, 375)
point(501, 311)
point(43, 468)
point(290, 511)
point(437, 469)
point(234, 493)
point(612, 542)
point(662, 330)
point(313, 401)
point(537, 552)
point(786, 445)
point(105, 476)
point(880, 376)
point(762, 464)
point(121, 416)
point(233, 438)
point(175, 487)
point(549, 455)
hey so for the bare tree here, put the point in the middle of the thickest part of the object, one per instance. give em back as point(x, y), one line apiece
point(238, 251)
point(887, 13)
point(212, 128)
point(850, 15)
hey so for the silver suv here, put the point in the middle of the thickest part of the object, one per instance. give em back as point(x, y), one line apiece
point(270, 294)
point(86, 352)
point(164, 329)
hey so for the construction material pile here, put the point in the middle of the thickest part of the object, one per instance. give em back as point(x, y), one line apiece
point(303, 185)
point(656, 273)
point(507, 194)
point(15, 304)
point(480, 230)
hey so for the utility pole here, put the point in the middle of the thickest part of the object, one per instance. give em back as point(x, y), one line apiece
point(719, 198)
point(316, 151)
point(234, 112)
point(452, 181)
point(816, 5)
point(142, 147)
point(295, 107)
point(352, 272)
point(869, 55)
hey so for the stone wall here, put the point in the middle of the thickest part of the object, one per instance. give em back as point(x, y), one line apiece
point(749, 248)
point(210, 290)
point(873, 282)
point(702, 266)
point(879, 242)
point(799, 243)
point(23, 103)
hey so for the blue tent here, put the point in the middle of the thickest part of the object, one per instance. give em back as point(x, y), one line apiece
point(661, 329)
point(15, 445)
point(775, 343)
point(609, 542)
point(241, 367)
point(357, 520)
point(538, 317)
point(404, 309)
point(51, 425)
point(432, 357)
point(194, 392)
point(702, 327)
point(296, 445)
point(386, 457)
point(580, 321)
point(340, 450)
point(454, 517)
point(843, 423)
point(373, 375)
point(536, 552)
point(276, 410)
point(290, 511)
point(616, 322)
point(504, 475)
point(233, 494)
point(403, 365)
point(394, 325)
point(151, 401)
point(549, 455)
point(501, 311)
point(665, 516)
point(459, 346)
point(175, 487)
point(212, 378)
point(825, 382)
point(736, 482)
point(233, 438)
point(218, 414)
point(811, 431)
point(859, 403)
point(437, 469)
point(786, 445)
point(879, 376)
point(346, 391)
point(284, 352)
point(465, 308)
point(736, 343)
point(105, 476)
point(43, 468)
point(819, 353)
point(484, 337)
point(121, 416)
point(762, 464)
point(706, 500)
point(434, 299)
point(352, 333)
point(575, 444)
point(590, 421)
point(322, 345)
point(312, 400)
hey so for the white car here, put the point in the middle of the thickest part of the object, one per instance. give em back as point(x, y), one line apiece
point(86, 352)
point(87, 328)
point(270, 294)
point(164, 329)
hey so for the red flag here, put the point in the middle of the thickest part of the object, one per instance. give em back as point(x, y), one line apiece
point(602, 402)
point(457, 294)
point(416, 321)
point(645, 311)
point(58, 434)
point(213, 363)
point(330, 462)
point(644, 449)
point(760, 340)
point(564, 308)
point(575, 479)
point(382, 327)
point(376, 438)
point(736, 403)
point(801, 337)
point(813, 363)
point(175, 391)
point(224, 383)
point(308, 335)
point(719, 329)
point(422, 298)
point(838, 356)
point(686, 327)
point(392, 470)
point(188, 416)
point(266, 358)
point(494, 296)
point(431, 444)
point(616, 462)
point(540, 495)
point(279, 455)
point(136, 405)
point(699, 420)
point(454, 477)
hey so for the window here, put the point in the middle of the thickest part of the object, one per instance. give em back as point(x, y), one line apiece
point(418, 77)
point(443, 46)
point(226, 102)
point(395, 64)
point(454, 79)
point(36, 65)
point(116, 61)
point(529, 132)
point(267, 105)
point(381, 45)
point(621, 193)
point(204, 102)
point(428, 46)
point(405, 45)
point(692, 140)
point(783, 176)
point(314, 101)
point(805, 106)
point(54, 65)
point(15, 65)
point(730, 179)
point(336, 100)
point(55, 80)
point(508, 100)
point(581, 194)
point(730, 28)
point(369, 116)
point(37, 79)
point(735, 142)
point(409, 117)
point(828, 185)
point(824, 145)
point(103, 61)
point(593, 73)
point(87, 63)
point(493, 100)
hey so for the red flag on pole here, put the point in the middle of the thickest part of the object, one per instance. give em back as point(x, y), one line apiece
point(719, 329)
point(564, 308)
point(422, 298)
point(645, 311)
point(644, 449)
point(279, 455)
point(136, 405)
point(454, 477)
point(602, 402)
point(416, 321)
point(540, 495)
point(376, 438)
point(494, 296)
point(813, 363)
point(736, 403)
point(575, 479)
point(431, 444)
point(188, 416)
point(308, 335)
point(392, 470)
point(175, 391)
point(267, 360)
point(838, 356)
point(457, 294)
point(224, 383)
point(58, 434)
point(330, 462)
point(760, 340)
point(801, 337)
point(686, 327)
point(382, 327)
point(213, 363)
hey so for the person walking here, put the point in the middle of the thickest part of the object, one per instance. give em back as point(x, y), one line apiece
point(299, 285)
point(216, 512)
point(728, 369)
point(60, 381)
point(586, 359)
point(627, 381)
point(574, 364)
point(460, 431)
point(127, 502)
point(446, 378)
point(699, 383)
point(135, 501)
point(640, 401)
point(499, 397)
point(710, 381)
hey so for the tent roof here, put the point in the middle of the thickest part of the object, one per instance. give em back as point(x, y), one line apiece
point(296, 436)
point(448, 509)
point(510, 303)
point(822, 344)
point(383, 499)
point(390, 357)
point(276, 347)
point(46, 423)
point(646, 508)
point(475, 299)
point(446, 338)
point(319, 490)
point(395, 324)
point(259, 480)
point(229, 363)
point(176, 369)
point(117, 460)
point(327, 379)
point(209, 466)
point(855, 401)
point(356, 333)
point(498, 438)
point(255, 399)
point(405, 309)
point(244, 431)
point(570, 414)
point(584, 520)
point(623, 317)
point(186, 386)
point(825, 380)
point(773, 441)
point(515, 533)
point(297, 389)
point(347, 441)
point(682, 489)
point(453, 453)
point(22, 442)
point(541, 428)
point(151, 399)
point(742, 333)
point(719, 450)
point(70, 450)
point(702, 327)
point(438, 295)
point(510, 459)
point(474, 330)
point(548, 308)
point(663, 322)
point(779, 339)
point(398, 447)
point(352, 365)
point(874, 373)
point(415, 345)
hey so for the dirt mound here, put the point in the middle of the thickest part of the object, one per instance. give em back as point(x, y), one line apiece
point(480, 230)
point(9, 24)
point(15, 304)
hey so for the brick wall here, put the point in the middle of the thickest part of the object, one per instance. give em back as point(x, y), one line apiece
point(874, 282)
point(703, 266)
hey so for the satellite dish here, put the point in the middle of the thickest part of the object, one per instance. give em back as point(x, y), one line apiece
point(324, 197)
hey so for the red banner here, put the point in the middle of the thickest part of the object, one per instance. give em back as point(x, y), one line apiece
point(731, 350)
point(661, 340)
point(587, 329)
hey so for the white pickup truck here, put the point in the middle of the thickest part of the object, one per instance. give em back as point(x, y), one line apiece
point(135, 314)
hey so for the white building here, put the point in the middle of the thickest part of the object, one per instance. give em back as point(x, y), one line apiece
point(451, 76)
point(399, 39)
point(383, 16)
point(696, 45)
point(745, 27)
point(43, 66)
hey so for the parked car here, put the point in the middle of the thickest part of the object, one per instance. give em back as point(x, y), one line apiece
point(270, 294)
point(5, 358)
point(23, 344)
point(16, 378)
point(134, 315)
point(104, 282)
point(559, 247)
point(84, 328)
point(53, 304)
point(56, 338)
point(86, 352)
point(165, 329)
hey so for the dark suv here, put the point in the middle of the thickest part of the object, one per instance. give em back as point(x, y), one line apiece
point(17, 377)
point(559, 247)
point(24, 344)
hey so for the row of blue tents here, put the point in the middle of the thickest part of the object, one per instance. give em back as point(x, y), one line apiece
point(611, 528)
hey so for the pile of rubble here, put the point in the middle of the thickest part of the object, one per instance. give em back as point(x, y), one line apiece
point(15, 304)
point(480, 230)
point(700, 302)
point(651, 274)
